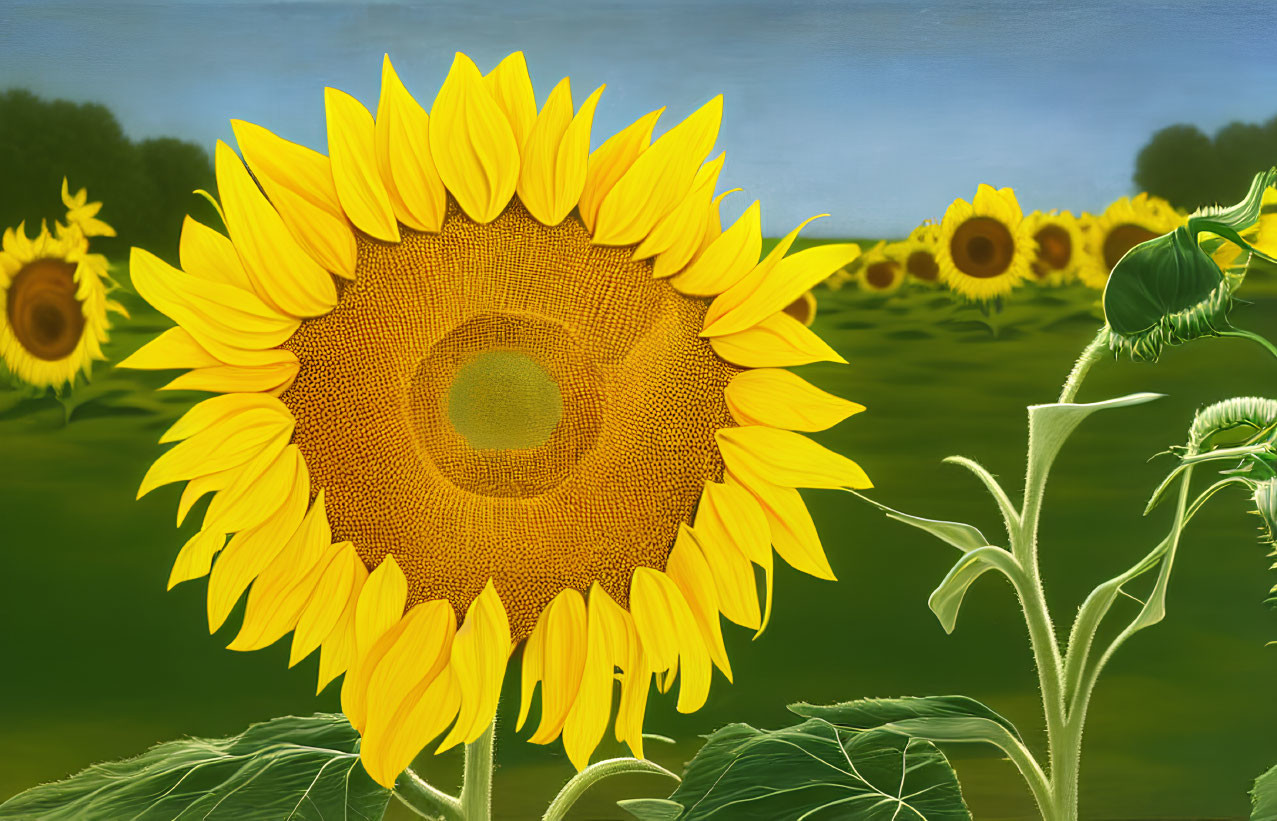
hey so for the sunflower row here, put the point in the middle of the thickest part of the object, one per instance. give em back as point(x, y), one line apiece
point(984, 249)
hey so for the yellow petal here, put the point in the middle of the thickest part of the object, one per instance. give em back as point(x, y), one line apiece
point(780, 399)
point(658, 179)
point(338, 651)
point(282, 273)
point(352, 149)
point(281, 590)
point(380, 609)
point(609, 162)
point(403, 156)
point(691, 572)
point(340, 568)
point(732, 297)
point(532, 669)
point(225, 320)
point(196, 557)
point(249, 551)
point(792, 532)
point(733, 532)
point(236, 440)
point(779, 341)
point(787, 459)
point(563, 662)
point(472, 143)
point(677, 236)
point(511, 89)
point(201, 485)
point(258, 490)
point(636, 681)
point(607, 647)
point(749, 302)
point(424, 715)
point(416, 654)
point(727, 260)
point(479, 655)
point(299, 183)
point(175, 348)
point(555, 155)
point(669, 634)
point(273, 377)
point(204, 415)
point(207, 254)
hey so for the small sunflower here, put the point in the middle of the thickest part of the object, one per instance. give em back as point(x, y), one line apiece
point(881, 272)
point(919, 256)
point(1124, 224)
point(53, 297)
point(1060, 245)
point(985, 248)
point(482, 388)
point(803, 309)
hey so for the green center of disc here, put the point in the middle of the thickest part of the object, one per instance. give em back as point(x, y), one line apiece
point(504, 400)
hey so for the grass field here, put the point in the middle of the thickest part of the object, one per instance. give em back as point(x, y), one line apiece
point(100, 662)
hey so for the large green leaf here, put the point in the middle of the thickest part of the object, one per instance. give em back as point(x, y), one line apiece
point(1051, 425)
point(1263, 797)
point(873, 713)
point(293, 768)
point(817, 770)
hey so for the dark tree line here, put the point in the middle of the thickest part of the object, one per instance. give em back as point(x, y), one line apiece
point(1190, 169)
point(145, 186)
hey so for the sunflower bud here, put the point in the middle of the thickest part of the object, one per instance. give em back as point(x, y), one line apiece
point(1168, 290)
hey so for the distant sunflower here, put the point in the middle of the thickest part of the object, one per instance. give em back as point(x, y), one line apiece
point(880, 271)
point(803, 309)
point(515, 417)
point(53, 297)
point(920, 253)
point(985, 248)
point(1060, 245)
point(1124, 224)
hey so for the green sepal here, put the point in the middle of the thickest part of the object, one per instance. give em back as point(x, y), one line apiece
point(1263, 797)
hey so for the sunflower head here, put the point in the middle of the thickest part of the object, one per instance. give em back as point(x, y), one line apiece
point(984, 249)
point(479, 387)
point(1059, 240)
point(1127, 222)
point(1168, 290)
point(919, 254)
point(881, 272)
point(53, 297)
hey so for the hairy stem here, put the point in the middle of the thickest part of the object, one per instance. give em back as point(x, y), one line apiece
point(1088, 357)
point(594, 773)
point(425, 800)
point(476, 788)
point(1241, 333)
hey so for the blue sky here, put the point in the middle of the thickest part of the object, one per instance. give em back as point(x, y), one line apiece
point(879, 113)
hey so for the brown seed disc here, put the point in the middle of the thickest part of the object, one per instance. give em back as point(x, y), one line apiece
point(508, 401)
point(1123, 238)
point(45, 316)
point(1055, 249)
point(982, 247)
point(881, 274)
point(922, 265)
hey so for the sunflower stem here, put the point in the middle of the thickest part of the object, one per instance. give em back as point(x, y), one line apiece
point(426, 801)
point(476, 786)
point(1242, 333)
point(593, 774)
point(1082, 366)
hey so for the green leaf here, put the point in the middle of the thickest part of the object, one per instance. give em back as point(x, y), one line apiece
point(873, 713)
point(302, 769)
point(1263, 797)
point(817, 770)
point(1157, 279)
point(962, 536)
point(1051, 425)
point(946, 599)
point(651, 809)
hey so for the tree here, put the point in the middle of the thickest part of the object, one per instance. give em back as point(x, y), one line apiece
point(1188, 168)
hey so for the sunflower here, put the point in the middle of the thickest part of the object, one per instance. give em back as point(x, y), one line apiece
point(1059, 246)
point(479, 388)
point(803, 309)
point(53, 297)
point(1124, 224)
point(984, 248)
point(919, 255)
point(1263, 235)
point(880, 271)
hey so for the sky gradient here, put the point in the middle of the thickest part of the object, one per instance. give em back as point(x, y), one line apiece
point(879, 113)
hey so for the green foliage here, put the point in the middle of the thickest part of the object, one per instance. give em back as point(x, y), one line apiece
point(1188, 168)
point(145, 187)
point(1263, 797)
point(300, 768)
point(812, 769)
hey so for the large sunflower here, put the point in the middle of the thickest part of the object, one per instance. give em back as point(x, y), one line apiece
point(1124, 224)
point(513, 417)
point(984, 247)
point(1060, 246)
point(53, 297)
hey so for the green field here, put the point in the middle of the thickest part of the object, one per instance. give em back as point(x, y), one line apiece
point(100, 662)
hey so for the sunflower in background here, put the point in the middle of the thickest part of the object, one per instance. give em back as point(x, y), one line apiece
point(1263, 235)
point(803, 309)
point(1124, 224)
point(920, 255)
point(1060, 245)
point(879, 271)
point(984, 248)
point(481, 388)
point(53, 297)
